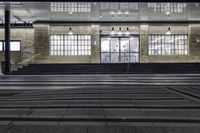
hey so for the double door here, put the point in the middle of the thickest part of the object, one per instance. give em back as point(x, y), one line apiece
point(119, 49)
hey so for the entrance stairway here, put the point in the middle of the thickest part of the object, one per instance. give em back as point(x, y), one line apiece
point(109, 68)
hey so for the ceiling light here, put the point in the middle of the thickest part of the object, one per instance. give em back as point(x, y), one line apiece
point(168, 13)
point(113, 31)
point(119, 12)
point(92, 26)
point(127, 13)
point(120, 33)
point(70, 31)
point(127, 32)
point(126, 16)
point(112, 13)
point(169, 31)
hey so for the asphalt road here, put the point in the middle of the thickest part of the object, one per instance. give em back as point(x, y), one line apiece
point(156, 103)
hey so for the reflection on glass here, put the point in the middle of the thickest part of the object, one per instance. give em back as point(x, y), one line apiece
point(70, 45)
point(168, 7)
point(134, 57)
point(134, 44)
point(114, 57)
point(119, 49)
point(105, 44)
point(114, 44)
point(105, 57)
point(70, 7)
point(168, 44)
point(124, 44)
point(124, 57)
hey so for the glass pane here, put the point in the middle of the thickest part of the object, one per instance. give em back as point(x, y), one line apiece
point(124, 57)
point(105, 57)
point(134, 57)
point(134, 44)
point(114, 57)
point(124, 45)
point(105, 44)
point(15, 46)
point(114, 44)
point(1, 46)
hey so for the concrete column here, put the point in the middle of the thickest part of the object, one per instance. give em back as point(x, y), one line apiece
point(95, 50)
point(7, 39)
point(144, 32)
point(41, 43)
point(194, 41)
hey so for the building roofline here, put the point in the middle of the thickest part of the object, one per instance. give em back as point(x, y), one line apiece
point(101, 1)
point(118, 22)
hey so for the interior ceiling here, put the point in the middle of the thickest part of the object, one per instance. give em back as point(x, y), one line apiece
point(98, 11)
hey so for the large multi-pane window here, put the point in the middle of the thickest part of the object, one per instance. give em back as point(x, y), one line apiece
point(62, 45)
point(15, 46)
point(168, 44)
point(168, 7)
point(124, 6)
point(70, 7)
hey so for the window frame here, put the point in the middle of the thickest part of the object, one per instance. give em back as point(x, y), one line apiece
point(75, 7)
point(129, 52)
point(173, 45)
point(3, 45)
point(176, 7)
point(107, 6)
point(66, 44)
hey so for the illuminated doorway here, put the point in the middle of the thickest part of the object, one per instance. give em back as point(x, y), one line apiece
point(119, 49)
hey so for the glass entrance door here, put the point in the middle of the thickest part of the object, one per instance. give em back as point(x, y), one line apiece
point(124, 50)
point(119, 49)
point(115, 49)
